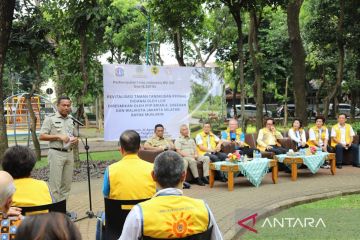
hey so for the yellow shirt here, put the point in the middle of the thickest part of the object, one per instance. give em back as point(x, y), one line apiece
point(174, 216)
point(206, 140)
point(130, 179)
point(31, 192)
point(266, 138)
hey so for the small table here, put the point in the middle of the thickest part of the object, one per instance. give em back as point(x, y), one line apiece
point(294, 160)
point(230, 168)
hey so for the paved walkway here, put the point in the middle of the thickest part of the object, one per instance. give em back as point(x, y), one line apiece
point(230, 207)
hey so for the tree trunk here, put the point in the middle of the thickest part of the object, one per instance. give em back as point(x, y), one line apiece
point(33, 121)
point(6, 16)
point(35, 87)
point(179, 48)
point(340, 67)
point(298, 59)
point(354, 96)
point(236, 13)
point(85, 77)
point(286, 100)
point(254, 51)
point(236, 83)
point(99, 116)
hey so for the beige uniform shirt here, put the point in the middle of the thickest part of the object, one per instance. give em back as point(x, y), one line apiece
point(155, 141)
point(186, 145)
point(57, 124)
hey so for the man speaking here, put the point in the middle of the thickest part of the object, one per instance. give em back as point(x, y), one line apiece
point(58, 129)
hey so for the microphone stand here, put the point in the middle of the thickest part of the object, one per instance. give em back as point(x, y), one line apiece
point(89, 213)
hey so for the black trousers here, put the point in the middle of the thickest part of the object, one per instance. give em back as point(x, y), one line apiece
point(277, 150)
point(247, 150)
point(339, 152)
point(216, 157)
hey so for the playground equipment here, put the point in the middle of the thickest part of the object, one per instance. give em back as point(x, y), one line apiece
point(17, 114)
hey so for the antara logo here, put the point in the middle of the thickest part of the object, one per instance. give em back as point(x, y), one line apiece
point(289, 222)
point(250, 228)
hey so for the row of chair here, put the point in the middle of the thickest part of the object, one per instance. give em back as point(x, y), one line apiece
point(250, 138)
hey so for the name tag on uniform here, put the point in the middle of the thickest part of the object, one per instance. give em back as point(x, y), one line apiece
point(58, 126)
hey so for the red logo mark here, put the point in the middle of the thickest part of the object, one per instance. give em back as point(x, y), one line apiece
point(243, 221)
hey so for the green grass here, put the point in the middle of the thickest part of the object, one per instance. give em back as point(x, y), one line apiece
point(340, 216)
point(95, 156)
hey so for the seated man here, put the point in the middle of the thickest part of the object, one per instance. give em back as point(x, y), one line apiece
point(319, 134)
point(208, 144)
point(8, 224)
point(186, 147)
point(158, 141)
point(234, 134)
point(129, 178)
point(268, 138)
point(19, 161)
point(342, 135)
point(319, 137)
point(166, 215)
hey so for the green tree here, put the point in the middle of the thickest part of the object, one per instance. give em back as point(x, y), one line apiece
point(236, 8)
point(6, 17)
point(28, 51)
point(298, 59)
point(180, 20)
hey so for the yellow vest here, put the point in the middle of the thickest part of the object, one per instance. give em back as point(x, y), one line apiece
point(226, 134)
point(338, 134)
point(204, 138)
point(267, 135)
point(31, 192)
point(168, 217)
point(130, 179)
point(317, 137)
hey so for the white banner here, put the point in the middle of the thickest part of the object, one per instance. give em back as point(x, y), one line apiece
point(138, 97)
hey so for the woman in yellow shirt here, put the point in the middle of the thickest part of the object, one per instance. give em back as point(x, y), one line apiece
point(19, 161)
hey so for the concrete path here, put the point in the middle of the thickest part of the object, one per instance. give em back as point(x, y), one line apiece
point(230, 207)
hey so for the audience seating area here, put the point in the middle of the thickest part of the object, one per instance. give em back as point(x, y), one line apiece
point(115, 217)
point(250, 138)
point(150, 155)
point(53, 207)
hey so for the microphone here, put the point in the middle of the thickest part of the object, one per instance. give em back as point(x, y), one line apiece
point(232, 136)
point(76, 121)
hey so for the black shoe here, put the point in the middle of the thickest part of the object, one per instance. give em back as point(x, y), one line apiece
point(186, 185)
point(223, 179)
point(205, 180)
point(356, 166)
point(199, 182)
point(339, 166)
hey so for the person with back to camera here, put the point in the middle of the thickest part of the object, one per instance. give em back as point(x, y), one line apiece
point(19, 161)
point(8, 222)
point(169, 214)
point(49, 226)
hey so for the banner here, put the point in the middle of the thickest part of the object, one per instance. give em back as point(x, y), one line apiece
point(139, 97)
